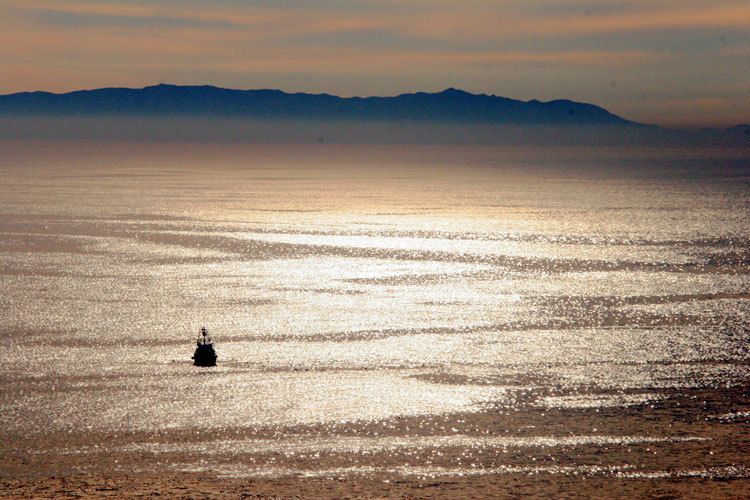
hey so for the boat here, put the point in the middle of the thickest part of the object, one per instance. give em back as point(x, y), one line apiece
point(204, 351)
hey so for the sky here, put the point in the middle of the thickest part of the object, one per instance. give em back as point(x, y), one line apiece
point(669, 62)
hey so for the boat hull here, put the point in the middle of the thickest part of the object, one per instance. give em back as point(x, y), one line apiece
point(204, 356)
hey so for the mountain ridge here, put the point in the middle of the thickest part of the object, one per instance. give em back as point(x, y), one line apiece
point(451, 105)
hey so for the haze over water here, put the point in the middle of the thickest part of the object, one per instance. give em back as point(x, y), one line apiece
point(374, 308)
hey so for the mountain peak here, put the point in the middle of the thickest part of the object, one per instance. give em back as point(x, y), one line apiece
point(452, 91)
point(160, 86)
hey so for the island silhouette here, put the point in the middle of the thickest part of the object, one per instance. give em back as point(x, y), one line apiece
point(510, 120)
point(449, 105)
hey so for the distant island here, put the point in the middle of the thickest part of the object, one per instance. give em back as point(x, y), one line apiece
point(450, 105)
point(212, 113)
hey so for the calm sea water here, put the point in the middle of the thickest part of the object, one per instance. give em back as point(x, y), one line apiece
point(349, 284)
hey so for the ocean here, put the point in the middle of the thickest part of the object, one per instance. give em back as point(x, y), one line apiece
point(378, 311)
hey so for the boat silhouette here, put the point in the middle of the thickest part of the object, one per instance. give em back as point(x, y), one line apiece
point(204, 351)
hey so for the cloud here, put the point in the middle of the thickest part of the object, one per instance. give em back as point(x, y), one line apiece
point(92, 19)
point(445, 21)
point(503, 23)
